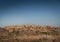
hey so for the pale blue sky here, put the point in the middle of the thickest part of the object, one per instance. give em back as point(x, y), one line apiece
point(30, 12)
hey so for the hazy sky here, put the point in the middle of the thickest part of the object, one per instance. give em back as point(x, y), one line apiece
point(45, 12)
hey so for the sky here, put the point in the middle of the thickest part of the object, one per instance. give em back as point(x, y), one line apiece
point(42, 12)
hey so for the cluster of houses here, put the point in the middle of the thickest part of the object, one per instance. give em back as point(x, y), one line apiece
point(28, 29)
point(32, 27)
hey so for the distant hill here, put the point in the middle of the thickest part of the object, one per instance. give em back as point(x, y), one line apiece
point(30, 32)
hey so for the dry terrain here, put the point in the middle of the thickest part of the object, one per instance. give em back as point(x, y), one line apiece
point(29, 33)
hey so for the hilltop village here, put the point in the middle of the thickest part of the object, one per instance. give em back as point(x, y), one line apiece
point(29, 33)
